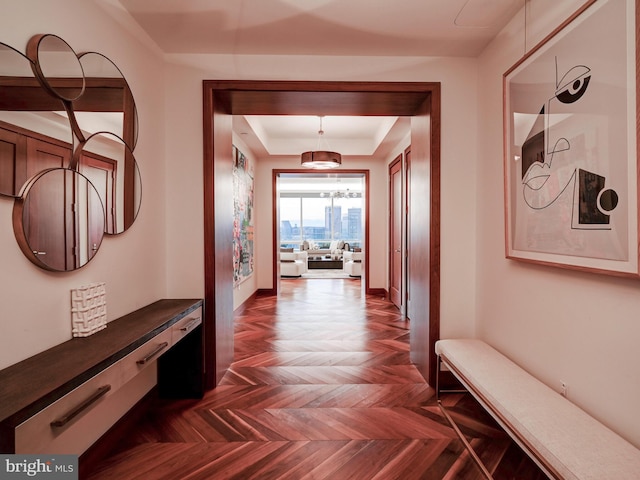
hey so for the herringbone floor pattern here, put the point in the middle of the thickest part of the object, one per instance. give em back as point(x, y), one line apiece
point(322, 388)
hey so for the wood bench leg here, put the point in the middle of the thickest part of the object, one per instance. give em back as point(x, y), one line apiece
point(465, 442)
point(453, 424)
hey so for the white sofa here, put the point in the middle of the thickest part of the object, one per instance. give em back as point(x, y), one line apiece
point(352, 263)
point(336, 248)
point(293, 264)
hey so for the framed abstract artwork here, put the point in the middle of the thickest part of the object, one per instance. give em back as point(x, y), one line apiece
point(570, 144)
point(243, 225)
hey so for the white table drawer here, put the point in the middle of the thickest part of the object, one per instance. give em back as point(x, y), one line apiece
point(145, 355)
point(71, 422)
point(39, 434)
point(186, 325)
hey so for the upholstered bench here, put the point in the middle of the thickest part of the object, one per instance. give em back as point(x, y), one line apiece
point(561, 438)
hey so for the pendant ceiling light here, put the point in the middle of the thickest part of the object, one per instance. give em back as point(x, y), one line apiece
point(319, 158)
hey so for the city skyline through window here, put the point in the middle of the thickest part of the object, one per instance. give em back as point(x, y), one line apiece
point(321, 216)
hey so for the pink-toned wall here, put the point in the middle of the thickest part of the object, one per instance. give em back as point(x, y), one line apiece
point(184, 74)
point(579, 328)
point(35, 306)
point(544, 318)
point(162, 254)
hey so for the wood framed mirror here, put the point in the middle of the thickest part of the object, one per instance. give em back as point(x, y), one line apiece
point(58, 220)
point(68, 127)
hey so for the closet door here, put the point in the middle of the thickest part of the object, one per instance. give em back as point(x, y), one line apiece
point(13, 151)
point(395, 233)
point(101, 172)
point(49, 224)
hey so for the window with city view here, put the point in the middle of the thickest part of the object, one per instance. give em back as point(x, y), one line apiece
point(320, 216)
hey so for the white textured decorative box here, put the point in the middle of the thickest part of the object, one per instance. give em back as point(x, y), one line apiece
point(88, 309)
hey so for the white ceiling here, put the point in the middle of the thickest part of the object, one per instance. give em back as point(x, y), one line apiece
point(322, 27)
point(293, 134)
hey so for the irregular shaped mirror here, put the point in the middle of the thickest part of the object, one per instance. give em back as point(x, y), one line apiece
point(29, 118)
point(66, 199)
point(107, 104)
point(110, 165)
point(59, 220)
point(57, 66)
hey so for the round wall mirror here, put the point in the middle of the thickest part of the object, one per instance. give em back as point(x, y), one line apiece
point(110, 165)
point(31, 121)
point(107, 104)
point(57, 66)
point(59, 220)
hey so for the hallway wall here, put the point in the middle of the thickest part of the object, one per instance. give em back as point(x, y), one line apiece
point(162, 254)
point(35, 305)
point(560, 325)
point(459, 115)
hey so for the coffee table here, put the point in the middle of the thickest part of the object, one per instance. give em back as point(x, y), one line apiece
point(321, 263)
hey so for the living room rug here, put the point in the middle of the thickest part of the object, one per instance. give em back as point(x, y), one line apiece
point(328, 273)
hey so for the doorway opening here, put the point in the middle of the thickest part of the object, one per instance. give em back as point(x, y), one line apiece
point(323, 220)
point(419, 101)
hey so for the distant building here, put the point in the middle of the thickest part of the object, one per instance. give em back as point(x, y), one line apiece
point(354, 224)
point(337, 221)
point(286, 230)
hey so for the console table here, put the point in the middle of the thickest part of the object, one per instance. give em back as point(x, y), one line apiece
point(63, 399)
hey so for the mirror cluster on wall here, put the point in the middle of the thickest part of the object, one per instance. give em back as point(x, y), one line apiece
point(68, 128)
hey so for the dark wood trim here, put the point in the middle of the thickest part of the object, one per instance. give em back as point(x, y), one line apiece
point(266, 292)
point(407, 227)
point(248, 97)
point(208, 320)
point(218, 234)
point(275, 232)
point(317, 98)
point(276, 221)
point(378, 292)
point(37, 135)
point(390, 233)
point(434, 247)
point(367, 233)
point(424, 246)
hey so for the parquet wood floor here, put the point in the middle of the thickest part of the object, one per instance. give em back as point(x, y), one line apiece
point(322, 388)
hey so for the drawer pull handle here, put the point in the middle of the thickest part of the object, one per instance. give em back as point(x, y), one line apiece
point(77, 410)
point(190, 325)
point(146, 359)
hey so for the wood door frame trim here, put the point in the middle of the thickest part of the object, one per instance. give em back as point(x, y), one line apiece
point(406, 170)
point(274, 199)
point(394, 162)
point(318, 98)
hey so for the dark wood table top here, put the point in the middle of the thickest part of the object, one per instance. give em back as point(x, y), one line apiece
point(43, 378)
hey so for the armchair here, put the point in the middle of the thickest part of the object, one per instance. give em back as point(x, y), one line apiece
point(352, 263)
point(293, 264)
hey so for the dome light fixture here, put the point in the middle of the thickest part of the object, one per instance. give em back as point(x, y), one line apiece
point(320, 159)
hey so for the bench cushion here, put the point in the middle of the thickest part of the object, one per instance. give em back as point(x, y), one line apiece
point(575, 444)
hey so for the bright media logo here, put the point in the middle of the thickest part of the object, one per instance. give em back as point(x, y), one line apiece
point(58, 467)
